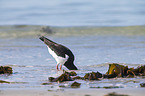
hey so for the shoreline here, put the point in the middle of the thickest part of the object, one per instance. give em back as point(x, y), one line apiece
point(73, 92)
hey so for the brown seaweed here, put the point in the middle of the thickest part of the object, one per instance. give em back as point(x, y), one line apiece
point(124, 71)
point(142, 84)
point(110, 75)
point(2, 81)
point(75, 85)
point(5, 70)
point(93, 76)
point(139, 71)
point(115, 94)
point(72, 73)
point(64, 77)
point(115, 70)
point(78, 77)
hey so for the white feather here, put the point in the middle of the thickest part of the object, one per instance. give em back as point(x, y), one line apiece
point(59, 60)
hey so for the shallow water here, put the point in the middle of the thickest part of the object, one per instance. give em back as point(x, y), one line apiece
point(32, 65)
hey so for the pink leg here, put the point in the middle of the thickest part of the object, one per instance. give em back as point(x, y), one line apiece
point(57, 67)
point(60, 66)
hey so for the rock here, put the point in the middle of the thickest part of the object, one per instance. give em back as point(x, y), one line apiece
point(64, 77)
point(75, 85)
point(142, 84)
point(5, 70)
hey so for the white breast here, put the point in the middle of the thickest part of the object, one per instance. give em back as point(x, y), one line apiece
point(59, 60)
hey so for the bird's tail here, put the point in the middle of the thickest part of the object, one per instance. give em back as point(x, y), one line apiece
point(46, 40)
point(42, 38)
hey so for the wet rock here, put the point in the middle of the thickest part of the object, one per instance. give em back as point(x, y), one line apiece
point(64, 77)
point(142, 84)
point(115, 94)
point(75, 85)
point(5, 70)
point(93, 76)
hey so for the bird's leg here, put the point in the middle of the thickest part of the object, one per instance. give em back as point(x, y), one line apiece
point(60, 66)
point(57, 67)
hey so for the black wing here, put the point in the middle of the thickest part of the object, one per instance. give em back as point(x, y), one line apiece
point(59, 49)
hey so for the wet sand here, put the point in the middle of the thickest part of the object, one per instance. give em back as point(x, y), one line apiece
point(74, 92)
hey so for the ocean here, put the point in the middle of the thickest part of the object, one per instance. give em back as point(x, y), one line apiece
point(72, 12)
point(97, 32)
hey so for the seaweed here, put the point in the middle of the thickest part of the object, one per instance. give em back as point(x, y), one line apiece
point(75, 85)
point(115, 94)
point(110, 75)
point(78, 77)
point(64, 77)
point(2, 81)
point(6, 70)
point(107, 87)
point(115, 70)
point(124, 71)
point(93, 76)
point(73, 73)
point(139, 71)
point(142, 84)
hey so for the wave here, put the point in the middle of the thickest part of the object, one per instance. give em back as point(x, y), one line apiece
point(16, 31)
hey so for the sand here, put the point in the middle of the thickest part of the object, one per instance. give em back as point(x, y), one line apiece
point(73, 92)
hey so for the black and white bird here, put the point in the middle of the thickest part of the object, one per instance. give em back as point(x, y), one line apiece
point(61, 54)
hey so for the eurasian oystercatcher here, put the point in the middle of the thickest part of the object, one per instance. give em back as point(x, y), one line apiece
point(61, 54)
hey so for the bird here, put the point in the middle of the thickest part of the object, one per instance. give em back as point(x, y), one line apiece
point(60, 53)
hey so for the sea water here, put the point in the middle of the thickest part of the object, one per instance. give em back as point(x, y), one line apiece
point(97, 32)
point(72, 12)
point(32, 64)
